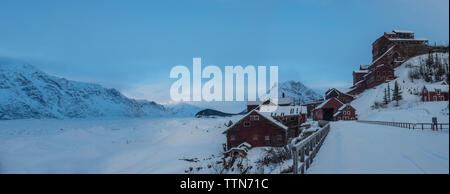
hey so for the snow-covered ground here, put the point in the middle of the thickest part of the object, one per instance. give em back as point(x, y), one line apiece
point(108, 146)
point(352, 147)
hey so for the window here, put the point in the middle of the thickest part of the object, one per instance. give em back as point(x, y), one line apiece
point(292, 111)
point(279, 138)
point(438, 92)
point(267, 138)
point(292, 118)
point(246, 124)
point(344, 113)
point(434, 98)
point(255, 137)
point(296, 111)
point(254, 117)
point(442, 98)
point(232, 138)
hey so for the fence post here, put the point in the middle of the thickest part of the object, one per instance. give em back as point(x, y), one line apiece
point(302, 155)
point(295, 158)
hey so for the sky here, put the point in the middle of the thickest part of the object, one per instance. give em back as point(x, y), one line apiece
point(132, 45)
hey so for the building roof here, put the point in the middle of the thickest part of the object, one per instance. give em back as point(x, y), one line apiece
point(284, 110)
point(361, 71)
point(403, 31)
point(270, 118)
point(434, 87)
point(408, 39)
point(338, 91)
point(341, 109)
point(265, 115)
point(326, 101)
point(362, 67)
point(374, 61)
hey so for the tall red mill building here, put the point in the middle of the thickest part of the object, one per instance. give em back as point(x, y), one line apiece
point(388, 52)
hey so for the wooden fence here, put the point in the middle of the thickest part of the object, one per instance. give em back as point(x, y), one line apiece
point(305, 150)
point(413, 126)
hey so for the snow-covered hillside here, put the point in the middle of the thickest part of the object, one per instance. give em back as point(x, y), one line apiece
point(410, 109)
point(26, 92)
point(298, 91)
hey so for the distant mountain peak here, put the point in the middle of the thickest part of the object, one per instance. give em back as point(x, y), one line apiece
point(298, 92)
point(26, 92)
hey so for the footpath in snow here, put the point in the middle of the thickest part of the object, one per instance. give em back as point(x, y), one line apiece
point(353, 147)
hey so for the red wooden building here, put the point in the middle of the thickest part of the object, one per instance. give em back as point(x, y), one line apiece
point(333, 110)
point(341, 96)
point(346, 112)
point(260, 128)
point(388, 52)
point(433, 93)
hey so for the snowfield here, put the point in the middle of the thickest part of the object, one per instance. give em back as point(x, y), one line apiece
point(353, 147)
point(109, 146)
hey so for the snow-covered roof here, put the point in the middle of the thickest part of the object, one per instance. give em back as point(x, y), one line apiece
point(326, 101)
point(364, 66)
point(408, 39)
point(338, 91)
point(264, 114)
point(382, 55)
point(323, 103)
point(270, 118)
point(245, 144)
point(434, 87)
point(243, 149)
point(403, 31)
point(340, 110)
point(284, 110)
point(361, 71)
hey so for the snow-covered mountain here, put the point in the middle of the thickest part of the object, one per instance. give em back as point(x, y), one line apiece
point(411, 108)
point(298, 91)
point(26, 92)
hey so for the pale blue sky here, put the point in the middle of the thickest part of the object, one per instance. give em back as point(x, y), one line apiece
point(132, 45)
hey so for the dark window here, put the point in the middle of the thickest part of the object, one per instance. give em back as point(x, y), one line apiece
point(254, 117)
point(232, 138)
point(255, 137)
point(246, 124)
point(292, 118)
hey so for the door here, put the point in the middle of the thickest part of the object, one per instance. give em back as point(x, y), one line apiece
point(328, 114)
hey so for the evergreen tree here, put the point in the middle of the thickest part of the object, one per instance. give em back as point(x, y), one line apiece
point(397, 95)
point(385, 97)
point(388, 93)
